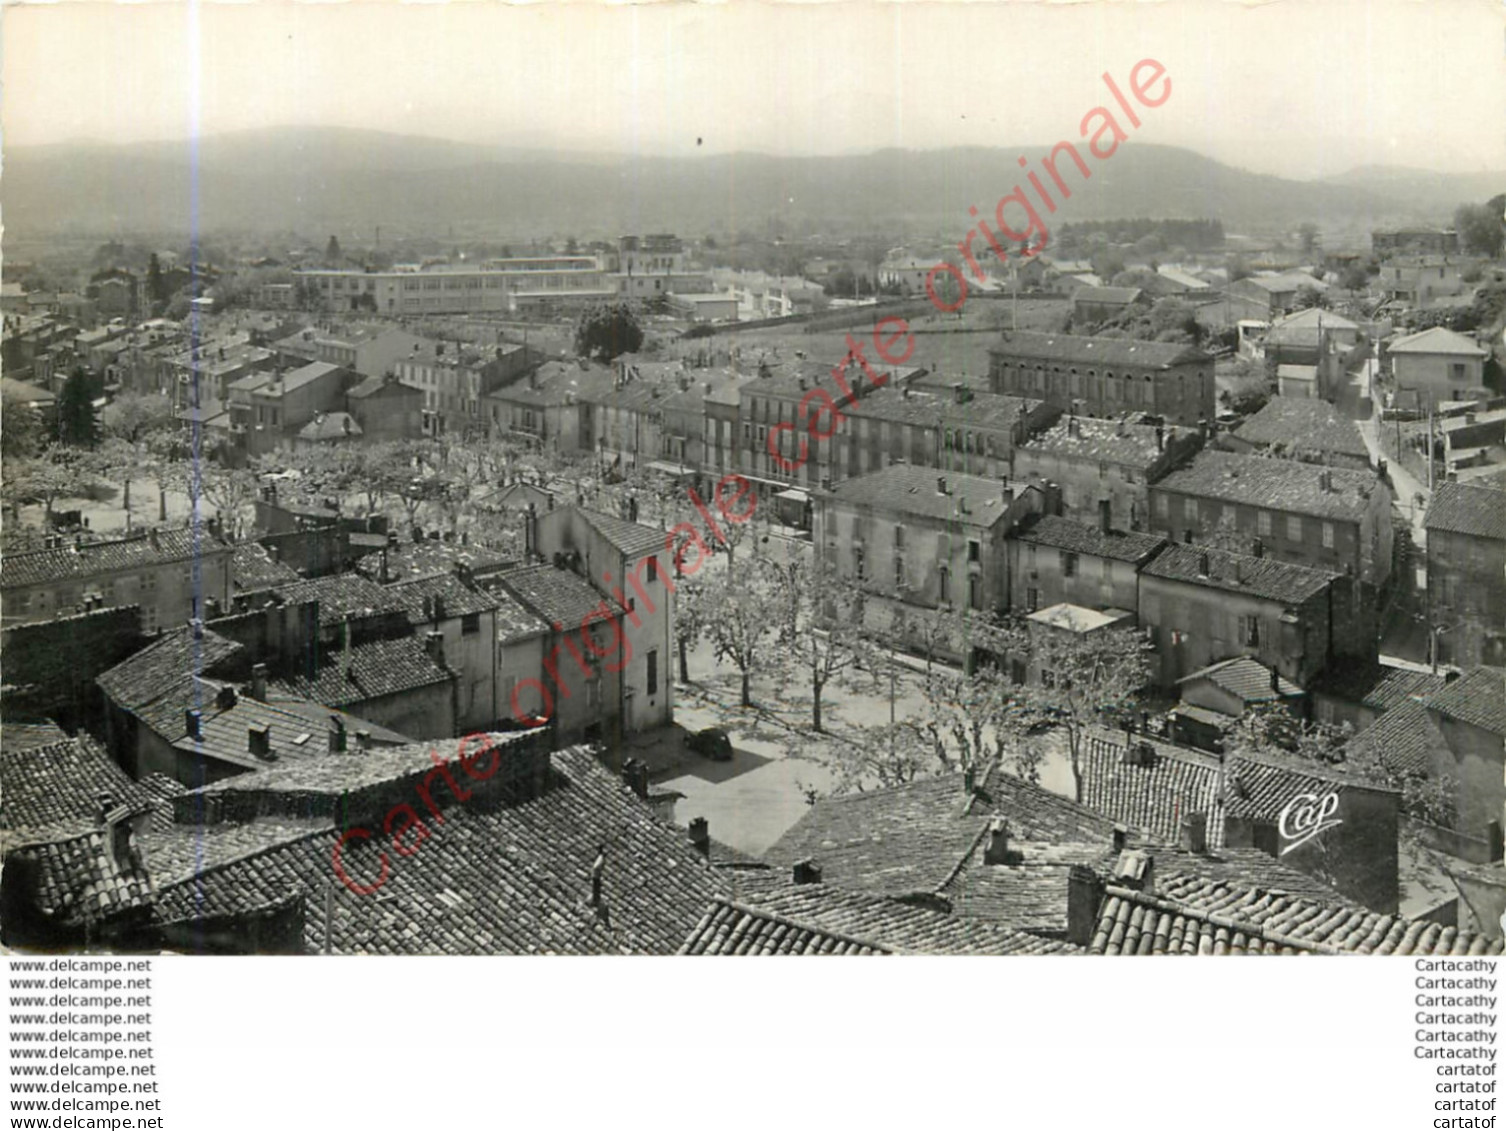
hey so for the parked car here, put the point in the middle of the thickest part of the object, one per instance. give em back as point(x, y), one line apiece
point(713, 742)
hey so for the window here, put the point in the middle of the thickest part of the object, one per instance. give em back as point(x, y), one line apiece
point(1294, 528)
point(944, 594)
point(1328, 535)
point(653, 569)
point(1263, 523)
point(975, 591)
point(974, 551)
point(653, 671)
point(1069, 564)
point(1189, 509)
point(1032, 600)
point(899, 538)
point(1179, 637)
point(1249, 631)
point(857, 562)
point(470, 624)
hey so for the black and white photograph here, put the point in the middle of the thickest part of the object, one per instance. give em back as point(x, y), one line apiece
point(754, 479)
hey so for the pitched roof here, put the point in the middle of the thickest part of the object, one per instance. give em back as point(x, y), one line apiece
point(72, 561)
point(61, 783)
point(1460, 508)
point(1478, 698)
point(1261, 785)
point(1198, 915)
point(1438, 340)
point(1304, 423)
point(376, 384)
point(560, 596)
point(1404, 739)
point(1101, 441)
point(253, 568)
point(1100, 351)
point(631, 539)
point(1081, 538)
point(1379, 686)
point(295, 731)
point(818, 919)
point(342, 595)
point(1246, 679)
point(1275, 484)
point(1151, 797)
point(17, 736)
point(970, 500)
point(490, 879)
point(377, 668)
point(458, 598)
point(1265, 578)
point(138, 680)
point(80, 880)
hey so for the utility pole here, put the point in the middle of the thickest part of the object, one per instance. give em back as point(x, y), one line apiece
point(1430, 448)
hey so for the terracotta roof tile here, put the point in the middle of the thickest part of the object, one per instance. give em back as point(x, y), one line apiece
point(1081, 538)
point(61, 782)
point(1303, 423)
point(1462, 508)
point(1276, 484)
point(92, 558)
point(970, 500)
point(1266, 578)
point(1102, 351)
point(1478, 697)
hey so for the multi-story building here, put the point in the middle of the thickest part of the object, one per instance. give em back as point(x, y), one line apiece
point(1417, 279)
point(1054, 560)
point(1467, 574)
point(1273, 294)
point(173, 575)
point(552, 406)
point(497, 286)
point(1302, 428)
point(1437, 365)
point(1105, 461)
point(1385, 242)
point(455, 377)
point(1106, 376)
point(1323, 517)
point(370, 350)
point(386, 408)
point(267, 409)
point(629, 565)
point(915, 538)
point(1203, 605)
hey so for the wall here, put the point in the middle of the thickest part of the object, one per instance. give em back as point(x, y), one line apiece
point(1184, 394)
point(1467, 590)
point(1088, 587)
point(1475, 758)
point(50, 666)
point(1433, 377)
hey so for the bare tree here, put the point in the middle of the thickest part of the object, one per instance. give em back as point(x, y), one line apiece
point(741, 617)
point(821, 622)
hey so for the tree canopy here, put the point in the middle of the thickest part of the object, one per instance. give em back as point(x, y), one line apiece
point(607, 332)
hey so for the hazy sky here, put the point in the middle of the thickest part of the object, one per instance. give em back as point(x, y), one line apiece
point(1297, 87)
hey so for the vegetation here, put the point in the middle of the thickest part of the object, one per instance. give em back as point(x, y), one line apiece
point(608, 331)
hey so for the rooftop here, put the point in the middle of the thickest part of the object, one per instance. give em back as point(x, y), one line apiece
point(376, 668)
point(1117, 296)
point(630, 539)
point(560, 596)
point(1478, 698)
point(1276, 484)
point(1459, 508)
point(61, 784)
point(1101, 351)
point(1438, 340)
point(1304, 424)
point(77, 561)
point(1103, 441)
point(969, 500)
point(1081, 538)
point(1246, 679)
point(1239, 573)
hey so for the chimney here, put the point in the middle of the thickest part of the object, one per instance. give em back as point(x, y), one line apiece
point(959, 393)
point(1084, 894)
point(259, 740)
point(438, 608)
point(941, 485)
point(1074, 429)
point(363, 741)
point(104, 802)
point(336, 735)
point(1202, 564)
point(806, 872)
point(225, 698)
point(193, 720)
point(996, 847)
point(1193, 835)
point(1257, 548)
point(635, 773)
point(1121, 837)
point(700, 836)
point(598, 868)
point(1136, 870)
point(1276, 681)
point(1160, 437)
point(259, 682)
point(1325, 480)
point(434, 646)
point(1105, 516)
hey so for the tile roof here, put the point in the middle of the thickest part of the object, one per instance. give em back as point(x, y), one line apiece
point(253, 568)
point(35, 567)
point(514, 621)
point(331, 426)
point(375, 384)
point(422, 559)
point(304, 375)
point(1151, 798)
point(1275, 484)
point(139, 680)
point(1239, 573)
point(560, 596)
point(1260, 786)
point(631, 539)
point(1305, 424)
point(1405, 739)
point(906, 489)
point(1195, 915)
point(931, 408)
point(1460, 508)
point(377, 668)
point(300, 732)
point(509, 879)
point(817, 919)
point(1438, 340)
point(342, 595)
point(15, 736)
point(1027, 894)
point(1102, 441)
point(1478, 697)
point(1081, 538)
point(458, 598)
point(1102, 351)
point(59, 783)
point(80, 880)
point(1246, 679)
point(1379, 686)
